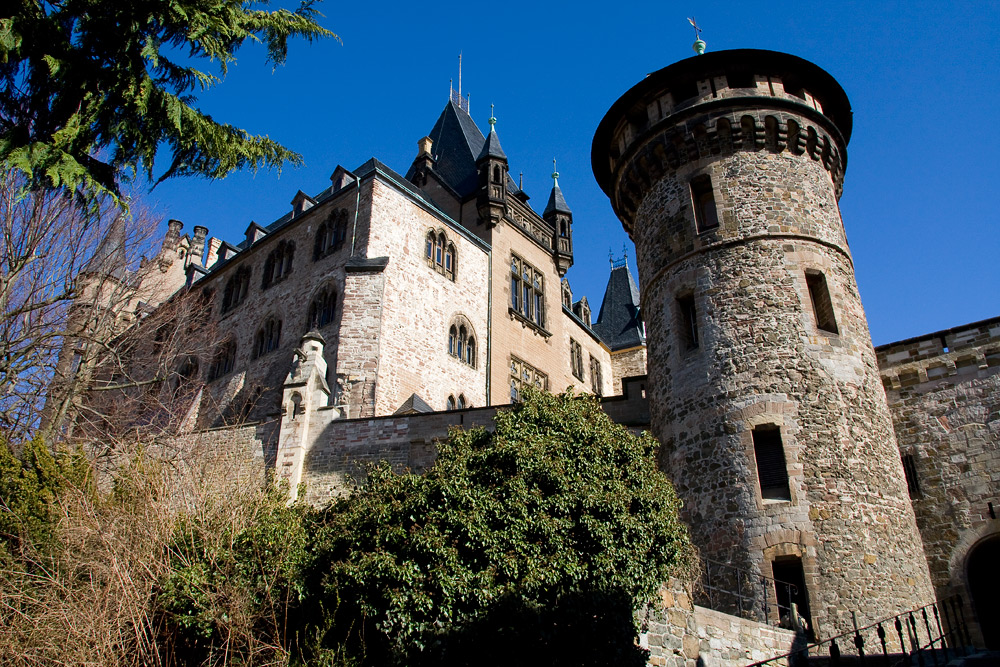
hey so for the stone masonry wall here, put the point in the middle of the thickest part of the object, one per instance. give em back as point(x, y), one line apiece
point(762, 360)
point(627, 363)
point(944, 394)
point(420, 304)
point(682, 634)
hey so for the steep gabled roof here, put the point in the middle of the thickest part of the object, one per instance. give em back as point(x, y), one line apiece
point(457, 144)
point(619, 323)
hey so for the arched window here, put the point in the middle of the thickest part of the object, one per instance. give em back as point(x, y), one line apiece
point(449, 261)
point(322, 308)
point(497, 174)
point(462, 342)
point(440, 253)
point(331, 234)
point(278, 264)
point(461, 401)
point(224, 360)
point(237, 288)
point(268, 337)
point(451, 402)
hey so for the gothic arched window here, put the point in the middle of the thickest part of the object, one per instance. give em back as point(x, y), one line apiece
point(440, 253)
point(237, 288)
point(278, 264)
point(322, 308)
point(331, 234)
point(224, 360)
point(462, 342)
point(268, 337)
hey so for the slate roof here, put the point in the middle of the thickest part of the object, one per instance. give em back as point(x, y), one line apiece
point(458, 142)
point(491, 148)
point(557, 203)
point(619, 323)
point(414, 404)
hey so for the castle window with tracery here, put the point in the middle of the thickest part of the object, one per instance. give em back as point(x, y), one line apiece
point(596, 379)
point(268, 337)
point(322, 308)
point(462, 343)
point(278, 264)
point(224, 360)
point(440, 253)
point(523, 374)
point(526, 295)
point(576, 359)
point(331, 235)
point(237, 288)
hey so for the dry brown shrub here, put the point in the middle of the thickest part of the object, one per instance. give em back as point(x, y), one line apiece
point(91, 597)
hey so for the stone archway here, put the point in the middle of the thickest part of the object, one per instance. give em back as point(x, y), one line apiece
point(981, 569)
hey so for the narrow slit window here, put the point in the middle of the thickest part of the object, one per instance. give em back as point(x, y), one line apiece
point(772, 473)
point(688, 322)
point(910, 470)
point(705, 214)
point(819, 294)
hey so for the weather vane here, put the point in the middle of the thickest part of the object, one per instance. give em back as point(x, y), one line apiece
point(699, 44)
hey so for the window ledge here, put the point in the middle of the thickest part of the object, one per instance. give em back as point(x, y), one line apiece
point(517, 315)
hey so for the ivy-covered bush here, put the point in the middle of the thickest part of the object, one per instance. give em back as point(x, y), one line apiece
point(534, 542)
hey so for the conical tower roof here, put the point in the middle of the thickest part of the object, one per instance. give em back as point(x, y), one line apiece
point(619, 324)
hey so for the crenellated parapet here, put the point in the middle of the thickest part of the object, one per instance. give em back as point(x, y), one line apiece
point(718, 104)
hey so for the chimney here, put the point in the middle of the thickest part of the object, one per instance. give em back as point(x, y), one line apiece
point(173, 235)
point(198, 244)
point(212, 255)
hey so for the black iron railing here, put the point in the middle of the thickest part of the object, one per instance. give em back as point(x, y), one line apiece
point(930, 635)
point(735, 590)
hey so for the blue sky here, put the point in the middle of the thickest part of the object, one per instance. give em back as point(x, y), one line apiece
point(919, 198)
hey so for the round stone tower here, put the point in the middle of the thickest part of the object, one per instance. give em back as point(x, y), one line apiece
point(725, 169)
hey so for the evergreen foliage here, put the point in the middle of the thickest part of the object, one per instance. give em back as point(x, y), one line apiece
point(539, 540)
point(90, 90)
point(31, 484)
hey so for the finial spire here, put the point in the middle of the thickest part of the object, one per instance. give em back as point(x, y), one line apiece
point(611, 258)
point(493, 120)
point(699, 44)
point(460, 74)
point(555, 173)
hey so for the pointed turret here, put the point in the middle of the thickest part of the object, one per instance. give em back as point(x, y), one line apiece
point(558, 215)
point(109, 258)
point(492, 167)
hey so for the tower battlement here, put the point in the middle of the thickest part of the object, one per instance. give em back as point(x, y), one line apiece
point(740, 100)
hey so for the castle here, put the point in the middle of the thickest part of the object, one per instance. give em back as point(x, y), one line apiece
point(379, 312)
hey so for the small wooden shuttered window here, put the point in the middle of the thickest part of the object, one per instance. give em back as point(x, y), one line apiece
point(772, 473)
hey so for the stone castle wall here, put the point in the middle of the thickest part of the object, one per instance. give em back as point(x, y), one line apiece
point(944, 393)
point(627, 363)
point(682, 634)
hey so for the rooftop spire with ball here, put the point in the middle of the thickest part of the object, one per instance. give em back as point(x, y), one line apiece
point(699, 44)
